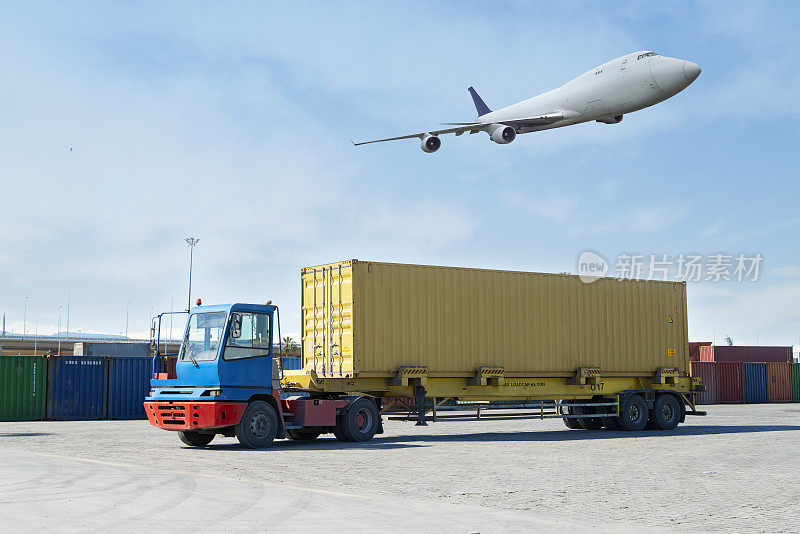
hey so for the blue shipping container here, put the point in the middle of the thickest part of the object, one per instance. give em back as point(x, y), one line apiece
point(755, 382)
point(76, 387)
point(128, 385)
point(291, 364)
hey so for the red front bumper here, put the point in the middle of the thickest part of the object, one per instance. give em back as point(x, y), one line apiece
point(180, 415)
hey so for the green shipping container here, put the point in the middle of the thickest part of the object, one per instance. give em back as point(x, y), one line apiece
point(22, 388)
point(796, 382)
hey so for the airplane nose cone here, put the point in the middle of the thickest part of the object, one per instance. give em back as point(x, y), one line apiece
point(691, 70)
point(668, 74)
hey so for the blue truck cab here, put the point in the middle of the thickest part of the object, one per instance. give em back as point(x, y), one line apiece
point(227, 381)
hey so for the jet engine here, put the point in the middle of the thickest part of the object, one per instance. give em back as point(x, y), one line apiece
point(611, 120)
point(502, 134)
point(430, 143)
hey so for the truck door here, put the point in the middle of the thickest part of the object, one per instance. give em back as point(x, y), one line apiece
point(247, 355)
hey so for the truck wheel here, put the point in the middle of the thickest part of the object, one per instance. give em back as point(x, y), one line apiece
point(258, 426)
point(666, 412)
point(633, 414)
point(571, 422)
point(337, 430)
point(195, 439)
point(360, 421)
point(302, 435)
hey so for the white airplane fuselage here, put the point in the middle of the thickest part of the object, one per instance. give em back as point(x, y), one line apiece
point(604, 94)
point(623, 85)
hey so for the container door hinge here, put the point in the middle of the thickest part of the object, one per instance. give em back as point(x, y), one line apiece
point(410, 376)
point(584, 376)
point(488, 376)
point(665, 375)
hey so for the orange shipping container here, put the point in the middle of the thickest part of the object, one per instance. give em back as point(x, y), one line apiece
point(779, 381)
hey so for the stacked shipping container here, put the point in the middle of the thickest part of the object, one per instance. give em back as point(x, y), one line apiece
point(725, 353)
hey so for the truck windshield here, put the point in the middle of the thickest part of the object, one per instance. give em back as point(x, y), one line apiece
point(202, 336)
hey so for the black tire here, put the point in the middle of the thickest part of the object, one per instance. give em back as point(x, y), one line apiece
point(337, 430)
point(611, 423)
point(633, 414)
point(666, 412)
point(360, 421)
point(588, 423)
point(570, 422)
point(302, 435)
point(259, 425)
point(195, 439)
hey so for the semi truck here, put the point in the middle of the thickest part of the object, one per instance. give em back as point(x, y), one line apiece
point(596, 353)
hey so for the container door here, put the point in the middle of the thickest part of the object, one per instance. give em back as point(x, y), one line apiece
point(77, 388)
point(128, 385)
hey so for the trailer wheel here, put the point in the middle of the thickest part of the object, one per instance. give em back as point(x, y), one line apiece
point(611, 423)
point(360, 421)
point(588, 423)
point(337, 429)
point(302, 435)
point(570, 422)
point(258, 426)
point(633, 414)
point(195, 439)
point(666, 412)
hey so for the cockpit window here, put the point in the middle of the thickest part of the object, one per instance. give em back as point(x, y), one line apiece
point(646, 54)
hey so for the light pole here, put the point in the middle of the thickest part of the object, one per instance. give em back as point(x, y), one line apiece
point(68, 295)
point(191, 241)
point(36, 338)
point(59, 329)
point(25, 319)
point(127, 314)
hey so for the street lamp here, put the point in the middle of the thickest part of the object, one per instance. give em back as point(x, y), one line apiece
point(191, 241)
point(36, 336)
point(127, 313)
point(25, 319)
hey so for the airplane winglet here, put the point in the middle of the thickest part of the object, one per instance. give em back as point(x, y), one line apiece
point(480, 105)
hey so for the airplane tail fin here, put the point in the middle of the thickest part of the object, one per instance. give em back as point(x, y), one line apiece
point(480, 105)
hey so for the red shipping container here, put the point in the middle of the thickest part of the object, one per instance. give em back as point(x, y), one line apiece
point(707, 371)
point(779, 381)
point(742, 353)
point(706, 353)
point(694, 350)
point(730, 383)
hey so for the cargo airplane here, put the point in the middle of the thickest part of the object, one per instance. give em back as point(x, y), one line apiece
point(603, 94)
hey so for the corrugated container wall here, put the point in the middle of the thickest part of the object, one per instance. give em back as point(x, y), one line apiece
point(796, 382)
point(694, 350)
point(779, 381)
point(128, 385)
point(736, 353)
point(370, 319)
point(77, 387)
point(730, 386)
point(291, 363)
point(707, 371)
point(22, 387)
point(755, 382)
point(112, 349)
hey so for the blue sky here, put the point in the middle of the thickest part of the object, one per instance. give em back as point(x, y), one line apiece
point(232, 123)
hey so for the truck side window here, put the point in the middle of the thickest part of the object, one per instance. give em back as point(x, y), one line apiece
point(254, 340)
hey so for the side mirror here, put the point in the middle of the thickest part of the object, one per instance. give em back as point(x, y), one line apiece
point(236, 325)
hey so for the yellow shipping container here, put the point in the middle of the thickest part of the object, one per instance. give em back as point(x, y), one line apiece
point(369, 320)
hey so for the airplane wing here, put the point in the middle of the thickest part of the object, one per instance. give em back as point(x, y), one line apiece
point(458, 130)
point(539, 120)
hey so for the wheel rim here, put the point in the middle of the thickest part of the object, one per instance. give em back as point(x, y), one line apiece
point(259, 425)
point(667, 412)
point(634, 413)
point(363, 421)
